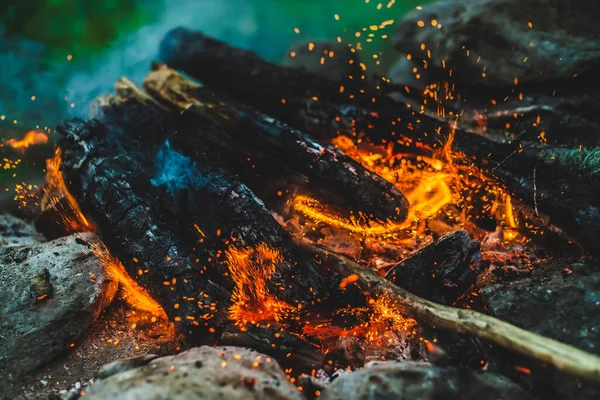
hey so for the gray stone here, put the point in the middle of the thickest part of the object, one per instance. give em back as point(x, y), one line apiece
point(332, 60)
point(49, 295)
point(17, 232)
point(418, 380)
point(200, 373)
point(562, 40)
point(123, 365)
point(559, 301)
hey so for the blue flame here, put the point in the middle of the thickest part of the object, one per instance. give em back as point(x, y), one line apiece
point(175, 170)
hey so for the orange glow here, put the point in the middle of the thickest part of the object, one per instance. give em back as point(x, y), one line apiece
point(30, 138)
point(387, 316)
point(250, 269)
point(133, 294)
point(427, 188)
point(312, 209)
point(75, 221)
point(55, 189)
point(510, 215)
point(383, 320)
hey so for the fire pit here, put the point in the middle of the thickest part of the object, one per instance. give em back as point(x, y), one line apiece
point(326, 225)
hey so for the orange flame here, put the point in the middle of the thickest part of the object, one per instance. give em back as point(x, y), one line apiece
point(250, 269)
point(75, 221)
point(428, 191)
point(56, 189)
point(385, 320)
point(132, 293)
point(430, 183)
point(30, 138)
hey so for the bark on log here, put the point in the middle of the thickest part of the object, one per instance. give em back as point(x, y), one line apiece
point(564, 358)
point(568, 198)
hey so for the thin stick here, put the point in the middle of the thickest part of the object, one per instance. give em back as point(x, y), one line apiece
point(564, 358)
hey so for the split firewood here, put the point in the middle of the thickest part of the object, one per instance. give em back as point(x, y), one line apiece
point(564, 358)
point(526, 169)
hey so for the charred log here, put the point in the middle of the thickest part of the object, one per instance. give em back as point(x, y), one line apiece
point(173, 223)
point(565, 195)
point(305, 100)
point(265, 154)
point(442, 271)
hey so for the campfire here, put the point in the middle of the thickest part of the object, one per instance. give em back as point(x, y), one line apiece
point(325, 224)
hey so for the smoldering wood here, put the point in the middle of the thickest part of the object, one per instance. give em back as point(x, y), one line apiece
point(568, 198)
point(564, 358)
point(152, 230)
point(112, 187)
point(441, 271)
point(267, 154)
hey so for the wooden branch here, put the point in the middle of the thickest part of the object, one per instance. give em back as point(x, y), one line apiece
point(564, 358)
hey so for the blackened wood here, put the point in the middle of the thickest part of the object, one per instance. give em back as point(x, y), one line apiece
point(570, 200)
point(266, 153)
point(305, 100)
point(112, 187)
point(441, 271)
point(177, 238)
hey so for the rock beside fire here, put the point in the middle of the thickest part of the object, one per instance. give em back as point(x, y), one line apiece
point(49, 294)
point(490, 42)
point(17, 232)
point(538, 56)
point(331, 60)
point(419, 380)
point(441, 271)
point(199, 373)
point(560, 301)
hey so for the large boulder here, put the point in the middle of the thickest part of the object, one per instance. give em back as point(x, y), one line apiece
point(533, 40)
point(199, 373)
point(420, 381)
point(557, 300)
point(50, 293)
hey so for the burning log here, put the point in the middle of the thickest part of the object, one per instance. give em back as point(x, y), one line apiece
point(564, 358)
point(201, 243)
point(264, 153)
point(302, 99)
point(326, 108)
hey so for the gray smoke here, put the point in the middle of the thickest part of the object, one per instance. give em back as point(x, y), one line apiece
point(260, 25)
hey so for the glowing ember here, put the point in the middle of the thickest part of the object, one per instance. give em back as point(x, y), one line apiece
point(383, 321)
point(431, 183)
point(132, 293)
point(30, 138)
point(55, 190)
point(250, 269)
